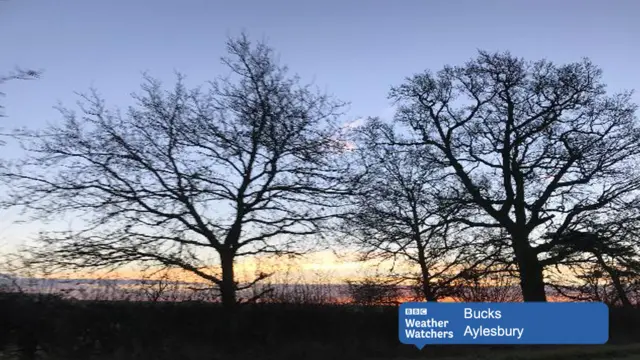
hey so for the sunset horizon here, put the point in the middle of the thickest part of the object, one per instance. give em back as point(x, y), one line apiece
point(209, 180)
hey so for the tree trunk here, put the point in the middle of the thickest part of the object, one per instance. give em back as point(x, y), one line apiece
point(530, 270)
point(229, 302)
point(622, 294)
point(617, 283)
point(427, 292)
point(228, 287)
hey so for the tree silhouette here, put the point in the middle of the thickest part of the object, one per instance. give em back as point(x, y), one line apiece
point(395, 214)
point(602, 251)
point(528, 145)
point(243, 169)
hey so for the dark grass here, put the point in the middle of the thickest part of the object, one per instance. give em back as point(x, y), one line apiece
point(60, 329)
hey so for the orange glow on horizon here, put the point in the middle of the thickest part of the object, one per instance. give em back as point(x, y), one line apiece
point(321, 267)
point(316, 268)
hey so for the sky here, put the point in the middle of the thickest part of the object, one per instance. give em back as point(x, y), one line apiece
point(353, 49)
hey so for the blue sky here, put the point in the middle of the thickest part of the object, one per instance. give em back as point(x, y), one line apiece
point(354, 49)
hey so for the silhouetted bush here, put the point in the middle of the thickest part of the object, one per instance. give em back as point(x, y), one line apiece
point(64, 329)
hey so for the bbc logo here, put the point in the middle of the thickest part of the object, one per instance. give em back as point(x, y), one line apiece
point(415, 311)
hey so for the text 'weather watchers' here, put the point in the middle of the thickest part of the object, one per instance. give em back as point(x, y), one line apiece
point(503, 323)
point(433, 325)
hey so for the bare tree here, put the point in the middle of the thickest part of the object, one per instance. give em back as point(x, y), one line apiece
point(602, 252)
point(396, 214)
point(244, 168)
point(529, 146)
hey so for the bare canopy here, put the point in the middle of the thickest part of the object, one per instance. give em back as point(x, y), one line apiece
point(244, 168)
point(395, 214)
point(531, 146)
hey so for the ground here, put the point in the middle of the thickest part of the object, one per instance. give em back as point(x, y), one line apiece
point(609, 352)
point(55, 329)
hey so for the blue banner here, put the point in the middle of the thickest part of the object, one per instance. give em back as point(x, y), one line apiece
point(424, 323)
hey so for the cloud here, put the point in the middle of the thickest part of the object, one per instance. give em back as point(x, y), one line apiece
point(355, 123)
point(332, 266)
